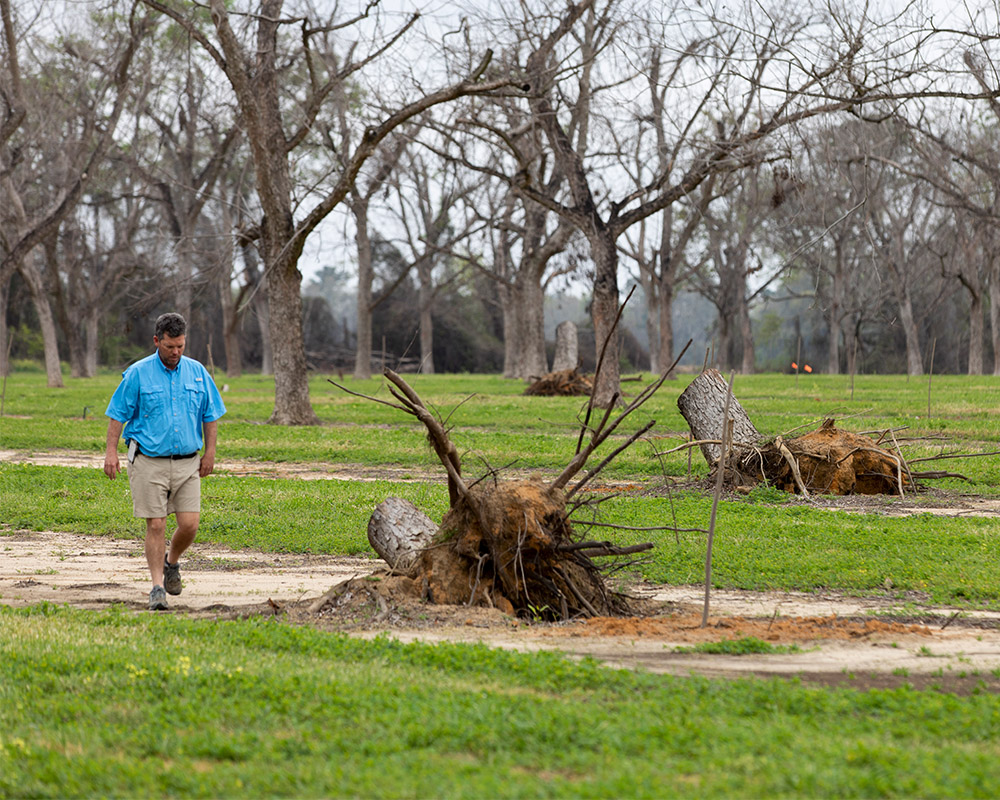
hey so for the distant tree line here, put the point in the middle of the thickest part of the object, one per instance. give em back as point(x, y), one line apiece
point(817, 180)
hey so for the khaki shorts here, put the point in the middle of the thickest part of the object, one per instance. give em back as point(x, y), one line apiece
point(163, 486)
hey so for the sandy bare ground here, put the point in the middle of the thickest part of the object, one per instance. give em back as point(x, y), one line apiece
point(833, 638)
point(837, 639)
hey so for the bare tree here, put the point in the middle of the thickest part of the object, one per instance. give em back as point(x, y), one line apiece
point(254, 62)
point(432, 199)
point(41, 194)
point(757, 71)
point(737, 266)
point(183, 162)
point(98, 249)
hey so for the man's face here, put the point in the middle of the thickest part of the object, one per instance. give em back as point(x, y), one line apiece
point(170, 348)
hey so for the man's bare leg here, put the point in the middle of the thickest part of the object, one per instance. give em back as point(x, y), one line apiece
point(156, 529)
point(187, 529)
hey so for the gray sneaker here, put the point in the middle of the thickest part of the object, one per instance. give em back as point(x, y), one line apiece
point(171, 577)
point(157, 599)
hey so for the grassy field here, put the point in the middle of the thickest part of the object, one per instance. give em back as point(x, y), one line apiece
point(117, 704)
point(120, 704)
point(493, 423)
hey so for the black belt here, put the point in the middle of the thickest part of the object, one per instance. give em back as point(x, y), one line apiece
point(172, 457)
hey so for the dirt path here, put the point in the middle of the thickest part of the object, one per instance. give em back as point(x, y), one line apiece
point(835, 639)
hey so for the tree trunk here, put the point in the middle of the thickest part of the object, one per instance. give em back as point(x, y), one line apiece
point(834, 314)
point(976, 333)
point(291, 381)
point(184, 273)
point(523, 304)
point(749, 363)
point(702, 405)
point(604, 312)
point(914, 358)
point(652, 320)
point(425, 298)
point(994, 289)
point(665, 350)
point(366, 277)
point(46, 322)
point(567, 354)
point(91, 326)
point(4, 335)
point(398, 531)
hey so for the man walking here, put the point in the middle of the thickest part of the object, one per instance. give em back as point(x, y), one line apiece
point(168, 406)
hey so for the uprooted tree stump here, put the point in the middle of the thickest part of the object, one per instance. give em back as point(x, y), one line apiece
point(828, 460)
point(563, 383)
point(509, 545)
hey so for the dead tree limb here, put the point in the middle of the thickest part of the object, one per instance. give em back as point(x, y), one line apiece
point(605, 429)
point(446, 451)
point(954, 455)
point(792, 464)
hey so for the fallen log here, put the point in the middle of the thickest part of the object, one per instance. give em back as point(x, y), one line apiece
point(505, 544)
point(509, 545)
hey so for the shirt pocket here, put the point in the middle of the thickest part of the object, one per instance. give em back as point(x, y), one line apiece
point(195, 394)
point(151, 402)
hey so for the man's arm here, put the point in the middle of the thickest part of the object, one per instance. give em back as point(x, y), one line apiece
point(111, 464)
point(211, 433)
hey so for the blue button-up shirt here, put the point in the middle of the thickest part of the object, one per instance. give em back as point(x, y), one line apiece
point(164, 409)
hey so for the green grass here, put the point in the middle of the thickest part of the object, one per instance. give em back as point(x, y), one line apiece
point(747, 645)
point(493, 423)
point(115, 704)
point(259, 708)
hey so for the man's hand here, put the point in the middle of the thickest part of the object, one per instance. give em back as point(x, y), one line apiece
point(211, 430)
point(207, 465)
point(112, 466)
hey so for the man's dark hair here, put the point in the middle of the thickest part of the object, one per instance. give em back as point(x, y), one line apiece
point(171, 324)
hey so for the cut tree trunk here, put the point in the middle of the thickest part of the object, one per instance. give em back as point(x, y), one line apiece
point(703, 403)
point(399, 531)
point(567, 347)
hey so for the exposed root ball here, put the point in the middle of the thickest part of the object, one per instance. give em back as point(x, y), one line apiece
point(565, 382)
point(509, 545)
point(829, 461)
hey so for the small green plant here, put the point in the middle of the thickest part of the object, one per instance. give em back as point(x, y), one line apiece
point(748, 645)
point(768, 494)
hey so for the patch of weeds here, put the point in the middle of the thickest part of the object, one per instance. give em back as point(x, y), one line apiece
point(902, 672)
point(767, 494)
point(749, 645)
